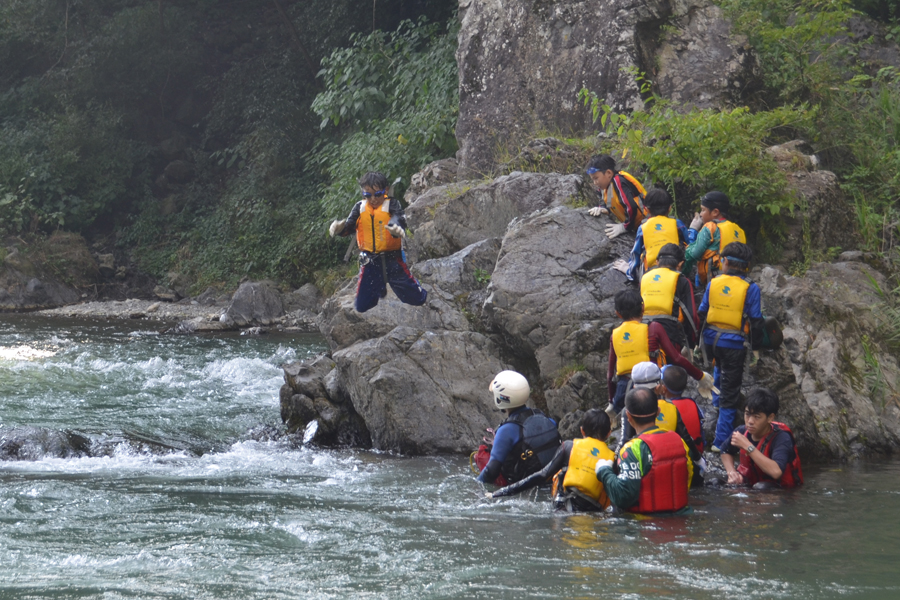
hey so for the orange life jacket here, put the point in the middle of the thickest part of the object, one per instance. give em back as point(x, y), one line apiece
point(710, 263)
point(371, 229)
point(792, 475)
point(615, 203)
point(665, 486)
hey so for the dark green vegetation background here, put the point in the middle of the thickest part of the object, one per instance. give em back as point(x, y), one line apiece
point(183, 130)
point(214, 139)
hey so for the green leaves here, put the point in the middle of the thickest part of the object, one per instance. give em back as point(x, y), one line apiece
point(709, 149)
point(393, 97)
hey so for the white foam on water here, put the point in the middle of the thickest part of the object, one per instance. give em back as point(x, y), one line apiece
point(24, 353)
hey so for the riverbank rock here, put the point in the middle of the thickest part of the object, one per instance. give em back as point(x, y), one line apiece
point(522, 64)
point(449, 218)
point(837, 373)
point(254, 303)
point(422, 392)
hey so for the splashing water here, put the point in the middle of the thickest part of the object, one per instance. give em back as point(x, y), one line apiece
point(199, 510)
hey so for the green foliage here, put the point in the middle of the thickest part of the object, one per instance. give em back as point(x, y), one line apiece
point(65, 169)
point(799, 41)
point(393, 99)
point(700, 150)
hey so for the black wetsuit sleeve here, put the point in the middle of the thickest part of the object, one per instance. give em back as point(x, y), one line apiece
point(397, 214)
point(350, 223)
point(681, 430)
point(631, 207)
point(685, 293)
point(559, 460)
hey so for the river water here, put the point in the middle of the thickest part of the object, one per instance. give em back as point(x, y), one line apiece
point(182, 503)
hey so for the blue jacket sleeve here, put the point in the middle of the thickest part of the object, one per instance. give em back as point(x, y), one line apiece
point(636, 253)
point(682, 233)
point(753, 302)
point(507, 437)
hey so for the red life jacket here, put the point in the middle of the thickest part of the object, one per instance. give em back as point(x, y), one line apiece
point(665, 486)
point(792, 475)
point(690, 416)
point(481, 458)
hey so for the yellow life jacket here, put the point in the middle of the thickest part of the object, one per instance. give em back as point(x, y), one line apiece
point(730, 232)
point(657, 232)
point(668, 415)
point(727, 294)
point(580, 472)
point(371, 229)
point(658, 291)
point(631, 341)
point(617, 206)
point(710, 263)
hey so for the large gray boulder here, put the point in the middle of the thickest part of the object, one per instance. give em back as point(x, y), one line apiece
point(551, 293)
point(836, 373)
point(522, 64)
point(465, 271)
point(254, 303)
point(422, 392)
point(449, 218)
point(343, 326)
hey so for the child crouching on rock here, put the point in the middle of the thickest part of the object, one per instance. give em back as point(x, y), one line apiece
point(380, 228)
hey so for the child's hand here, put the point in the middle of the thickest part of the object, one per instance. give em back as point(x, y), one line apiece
point(396, 231)
point(597, 211)
point(697, 222)
point(336, 227)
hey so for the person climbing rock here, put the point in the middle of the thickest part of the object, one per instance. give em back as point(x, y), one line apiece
point(709, 233)
point(669, 299)
point(766, 450)
point(634, 342)
point(674, 383)
point(656, 231)
point(380, 227)
point(526, 440)
point(620, 194)
point(654, 469)
point(731, 308)
point(576, 487)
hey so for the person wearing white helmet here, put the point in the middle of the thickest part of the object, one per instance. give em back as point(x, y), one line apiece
point(526, 440)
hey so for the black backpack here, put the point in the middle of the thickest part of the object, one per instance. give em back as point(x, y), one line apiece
point(536, 448)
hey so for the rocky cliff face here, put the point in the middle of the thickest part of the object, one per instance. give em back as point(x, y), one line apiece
point(522, 63)
point(520, 276)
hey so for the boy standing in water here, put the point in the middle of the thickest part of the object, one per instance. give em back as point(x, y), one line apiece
point(380, 228)
point(766, 449)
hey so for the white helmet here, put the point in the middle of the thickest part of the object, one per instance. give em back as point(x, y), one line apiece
point(510, 390)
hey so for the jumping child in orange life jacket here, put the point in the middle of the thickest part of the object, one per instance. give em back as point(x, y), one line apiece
point(380, 227)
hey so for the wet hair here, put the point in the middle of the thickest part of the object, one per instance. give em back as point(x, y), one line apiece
point(670, 255)
point(658, 201)
point(602, 162)
point(714, 200)
point(675, 378)
point(595, 423)
point(738, 255)
point(762, 400)
point(629, 304)
point(375, 180)
point(643, 402)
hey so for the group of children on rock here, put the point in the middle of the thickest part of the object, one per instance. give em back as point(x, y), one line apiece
point(661, 443)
